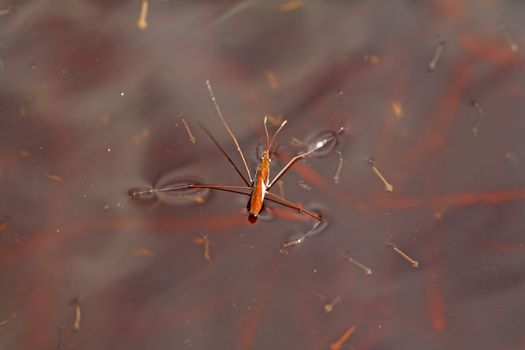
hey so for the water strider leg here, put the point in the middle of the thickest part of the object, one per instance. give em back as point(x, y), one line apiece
point(214, 100)
point(290, 163)
point(283, 201)
point(234, 189)
point(225, 154)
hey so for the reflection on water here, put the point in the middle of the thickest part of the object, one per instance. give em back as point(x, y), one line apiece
point(100, 97)
point(324, 143)
point(299, 238)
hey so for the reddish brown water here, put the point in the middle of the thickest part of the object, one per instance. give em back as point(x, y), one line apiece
point(89, 109)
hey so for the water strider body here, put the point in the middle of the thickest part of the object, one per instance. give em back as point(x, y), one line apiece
point(262, 183)
point(262, 175)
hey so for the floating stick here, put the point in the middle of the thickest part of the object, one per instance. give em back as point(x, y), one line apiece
point(330, 306)
point(366, 269)
point(191, 138)
point(337, 179)
point(142, 22)
point(344, 337)
point(304, 185)
point(207, 255)
point(55, 178)
point(437, 55)
point(388, 186)
point(412, 262)
point(78, 315)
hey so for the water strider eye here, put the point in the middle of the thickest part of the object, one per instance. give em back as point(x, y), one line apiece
point(252, 218)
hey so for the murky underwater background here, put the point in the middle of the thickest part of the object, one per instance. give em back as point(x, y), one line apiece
point(92, 103)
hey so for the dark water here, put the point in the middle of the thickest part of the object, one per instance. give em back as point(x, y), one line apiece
point(91, 107)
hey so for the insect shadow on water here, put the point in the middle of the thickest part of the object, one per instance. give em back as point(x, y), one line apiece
point(257, 188)
point(299, 238)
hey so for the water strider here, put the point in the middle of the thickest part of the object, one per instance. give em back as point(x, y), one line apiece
point(257, 187)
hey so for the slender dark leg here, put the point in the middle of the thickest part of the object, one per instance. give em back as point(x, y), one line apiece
point(287, 166)
point(225, 154)
point(280, 200)
point(234, 189)
point(214, 100)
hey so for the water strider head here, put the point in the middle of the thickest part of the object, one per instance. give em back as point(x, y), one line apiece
point(252, 218)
